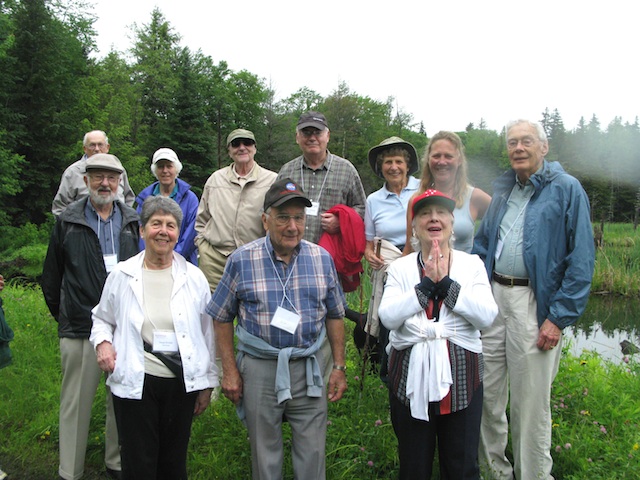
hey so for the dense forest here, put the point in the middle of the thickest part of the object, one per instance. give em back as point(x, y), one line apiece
point(54, 88)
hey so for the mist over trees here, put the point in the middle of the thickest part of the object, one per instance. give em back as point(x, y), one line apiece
point(162, 94)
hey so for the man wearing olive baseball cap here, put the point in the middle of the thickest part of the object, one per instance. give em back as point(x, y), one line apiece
point(89, 238)
point(229, 211)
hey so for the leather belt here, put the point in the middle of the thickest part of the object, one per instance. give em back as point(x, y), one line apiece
point(510, 281)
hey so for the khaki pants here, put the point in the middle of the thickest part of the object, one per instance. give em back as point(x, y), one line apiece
point(518, 372)
point(80, 379)
point(211, 262)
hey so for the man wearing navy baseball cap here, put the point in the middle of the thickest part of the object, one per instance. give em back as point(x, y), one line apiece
point(286, 295)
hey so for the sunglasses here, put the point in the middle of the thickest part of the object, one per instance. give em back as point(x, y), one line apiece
point(247, 142)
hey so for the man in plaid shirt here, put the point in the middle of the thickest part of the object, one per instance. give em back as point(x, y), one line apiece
point(286, 295)
point(327, 179)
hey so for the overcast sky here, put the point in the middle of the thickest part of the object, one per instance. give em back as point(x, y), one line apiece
point(447, 63)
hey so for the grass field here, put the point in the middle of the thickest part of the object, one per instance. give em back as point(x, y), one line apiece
point(596, 416)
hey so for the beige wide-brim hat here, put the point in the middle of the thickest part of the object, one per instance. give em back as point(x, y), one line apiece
point(390, 143)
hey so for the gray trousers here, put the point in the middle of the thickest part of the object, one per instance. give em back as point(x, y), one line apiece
point(306, 416)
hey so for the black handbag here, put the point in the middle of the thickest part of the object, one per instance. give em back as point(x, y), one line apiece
point(171, 360)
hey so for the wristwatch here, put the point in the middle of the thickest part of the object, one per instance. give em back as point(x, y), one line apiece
point(342, 368)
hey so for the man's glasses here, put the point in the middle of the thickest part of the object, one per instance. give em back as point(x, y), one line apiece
point(281, 219)
point(526, 142)
point(99, 177)
point(247, 142)
point(310, 132)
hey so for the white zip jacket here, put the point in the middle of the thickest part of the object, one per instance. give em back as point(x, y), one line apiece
point(119, 316)
point(474, 310)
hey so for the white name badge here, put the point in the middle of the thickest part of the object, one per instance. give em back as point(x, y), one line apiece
point(313, 209)
point(110, 261)
point(285, 320)
point(499, 246)
point(165, 341)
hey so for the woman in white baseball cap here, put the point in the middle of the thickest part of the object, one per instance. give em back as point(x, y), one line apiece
point(166, 166)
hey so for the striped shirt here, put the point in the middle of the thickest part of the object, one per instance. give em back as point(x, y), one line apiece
point(335, 182)
point(251, 289)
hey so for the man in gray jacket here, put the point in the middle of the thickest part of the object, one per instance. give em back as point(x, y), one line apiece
point(88, 239)
point(72, 186)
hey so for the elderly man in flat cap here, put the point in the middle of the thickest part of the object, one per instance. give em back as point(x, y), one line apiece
point(90, 236)
point(229, 211)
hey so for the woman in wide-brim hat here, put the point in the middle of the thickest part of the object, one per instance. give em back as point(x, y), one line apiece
point(395, 161)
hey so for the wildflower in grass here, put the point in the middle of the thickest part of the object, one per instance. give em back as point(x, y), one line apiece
point(589, 460)
point(378, 423)
point(625, 359)
point(362, 449)
point(370, 463)
point(558, 448)
point(585, 413)
point(356, 378)
point(602, 429)
point(567, 446)
point(636, 446)
point(329, 422)
point(585, 392)
point(555, 425)
point(583, 362)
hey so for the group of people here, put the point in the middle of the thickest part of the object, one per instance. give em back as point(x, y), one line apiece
point(465, 326)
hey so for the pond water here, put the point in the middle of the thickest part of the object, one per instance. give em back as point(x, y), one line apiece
point(606, 322)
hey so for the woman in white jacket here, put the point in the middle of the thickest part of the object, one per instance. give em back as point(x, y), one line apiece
point(435, 303)
point(154, 339)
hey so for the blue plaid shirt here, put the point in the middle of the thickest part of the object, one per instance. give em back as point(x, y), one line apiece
point(251, 291)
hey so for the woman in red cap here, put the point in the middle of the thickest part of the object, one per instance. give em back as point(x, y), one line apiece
point(435, 302)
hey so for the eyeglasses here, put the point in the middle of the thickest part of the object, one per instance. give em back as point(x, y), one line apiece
point(247, 142)
point(310, 132)
point(281, 219)
point(99, 146)
point(99, 177)
point(526, 142)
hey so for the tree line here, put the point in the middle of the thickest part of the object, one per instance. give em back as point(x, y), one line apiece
point(159, 93)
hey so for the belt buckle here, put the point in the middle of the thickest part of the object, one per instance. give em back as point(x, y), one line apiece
point(511, 282)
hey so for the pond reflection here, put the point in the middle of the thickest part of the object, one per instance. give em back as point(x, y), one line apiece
point(606, 322)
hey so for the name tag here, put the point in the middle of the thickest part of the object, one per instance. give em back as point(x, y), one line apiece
point(285, 320)
point(313, 209)
point(165, 341)
point(110, 261)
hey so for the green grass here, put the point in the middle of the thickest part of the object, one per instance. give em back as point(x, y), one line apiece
point(589, 395)
point(617, 268)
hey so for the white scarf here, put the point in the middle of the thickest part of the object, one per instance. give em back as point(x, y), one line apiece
point(429, 377)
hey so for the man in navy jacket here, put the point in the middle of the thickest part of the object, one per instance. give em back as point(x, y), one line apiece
point(537, 243)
